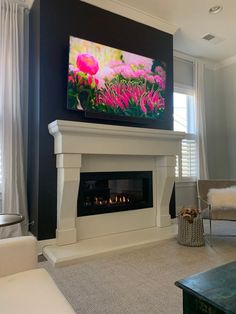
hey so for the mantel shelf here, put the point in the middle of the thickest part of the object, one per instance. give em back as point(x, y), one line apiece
point(90, 138)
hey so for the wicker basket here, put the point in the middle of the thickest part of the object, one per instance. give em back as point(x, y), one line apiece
point(190, 234)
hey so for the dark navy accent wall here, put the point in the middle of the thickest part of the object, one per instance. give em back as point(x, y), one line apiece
point(51, 24)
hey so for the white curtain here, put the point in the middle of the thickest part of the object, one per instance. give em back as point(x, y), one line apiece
point(201, 120)
point(13, 104)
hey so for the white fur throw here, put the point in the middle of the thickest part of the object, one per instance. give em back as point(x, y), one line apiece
point(222, 197)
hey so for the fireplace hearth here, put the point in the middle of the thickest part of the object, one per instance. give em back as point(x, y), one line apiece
point(107, 192)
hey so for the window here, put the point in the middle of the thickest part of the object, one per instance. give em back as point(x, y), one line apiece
point(184, 121)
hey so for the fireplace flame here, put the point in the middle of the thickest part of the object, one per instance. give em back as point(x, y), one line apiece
point(118, 199)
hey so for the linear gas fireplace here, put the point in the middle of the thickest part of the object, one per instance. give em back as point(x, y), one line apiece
point(84, 149)
point(107, 192)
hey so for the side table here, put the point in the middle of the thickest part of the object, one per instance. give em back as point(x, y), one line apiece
point(10, 219)
point(210, 292)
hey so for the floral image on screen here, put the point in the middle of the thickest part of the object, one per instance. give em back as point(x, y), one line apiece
point(109, 80)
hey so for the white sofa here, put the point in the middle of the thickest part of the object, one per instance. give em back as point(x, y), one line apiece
point(24, 288)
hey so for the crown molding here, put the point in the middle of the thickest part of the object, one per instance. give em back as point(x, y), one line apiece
point(226, 62)
point(120, 8)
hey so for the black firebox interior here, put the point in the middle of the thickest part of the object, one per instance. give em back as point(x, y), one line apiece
point(107, 192)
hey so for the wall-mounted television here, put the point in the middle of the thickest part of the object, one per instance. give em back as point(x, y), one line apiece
point(114, 83)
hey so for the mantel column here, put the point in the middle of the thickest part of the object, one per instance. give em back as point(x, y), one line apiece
point(68, 179)
point(165, 168)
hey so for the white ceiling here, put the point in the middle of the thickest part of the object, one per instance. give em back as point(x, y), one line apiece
point(193, 21)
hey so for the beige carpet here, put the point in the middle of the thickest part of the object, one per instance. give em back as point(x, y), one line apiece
point(141, 281)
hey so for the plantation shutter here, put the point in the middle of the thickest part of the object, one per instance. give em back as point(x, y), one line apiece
point(177, 172)
point(189, 157)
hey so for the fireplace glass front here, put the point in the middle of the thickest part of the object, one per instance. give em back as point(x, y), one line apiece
point(107, 192)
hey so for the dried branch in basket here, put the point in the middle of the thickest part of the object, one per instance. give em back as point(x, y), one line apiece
point(189, 213)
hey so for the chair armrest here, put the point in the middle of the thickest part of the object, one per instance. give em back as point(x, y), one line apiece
point(17, 254)
point(202, 200)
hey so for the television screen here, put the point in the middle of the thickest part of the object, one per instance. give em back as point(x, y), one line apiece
point(115, 82)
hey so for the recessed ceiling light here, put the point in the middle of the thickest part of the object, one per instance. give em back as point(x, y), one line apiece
point(215, 9)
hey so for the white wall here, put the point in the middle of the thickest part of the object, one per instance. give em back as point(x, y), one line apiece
point(186, 195)
point(216, 125)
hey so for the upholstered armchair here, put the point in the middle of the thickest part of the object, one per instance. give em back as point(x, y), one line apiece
point(217, 200)
point(25, 288)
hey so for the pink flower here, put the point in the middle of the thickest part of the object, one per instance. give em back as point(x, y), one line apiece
point(70, 78)
point(161, 103)
point(142, 105)
point(119, 103)
point(140, 61)
point(139, 73)
point(159, 81)
point(150, 78)
point(127, 72)
point(71, 67)
point(150, 105)
point(90, 80)
point(155, 98)
point(161, 72)
point(125, 98)
point(87, 63)
point(113, 64)
point(103, 75)
point(123, 94)
point(75, 70)
point(79, 77)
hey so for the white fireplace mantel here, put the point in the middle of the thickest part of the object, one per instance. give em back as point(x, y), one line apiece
point(77, 141)
point(90, 138)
